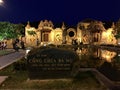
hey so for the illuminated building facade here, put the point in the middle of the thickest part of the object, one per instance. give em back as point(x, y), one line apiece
point(86, 32)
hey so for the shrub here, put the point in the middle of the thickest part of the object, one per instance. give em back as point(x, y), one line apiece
point(52, 45)
point(20, 65)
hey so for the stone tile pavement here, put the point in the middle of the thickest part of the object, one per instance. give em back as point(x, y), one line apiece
point(2, 79)
point(9, 59)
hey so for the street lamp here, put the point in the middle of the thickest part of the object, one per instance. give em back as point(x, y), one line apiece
point(1, 2)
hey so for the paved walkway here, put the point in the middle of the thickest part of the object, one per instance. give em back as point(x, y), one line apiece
point(2, 79)
point(10, 58)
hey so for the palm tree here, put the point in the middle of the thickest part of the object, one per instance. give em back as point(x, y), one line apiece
point(117, 26)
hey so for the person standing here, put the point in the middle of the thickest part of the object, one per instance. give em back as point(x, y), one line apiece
point(4, 45)
point(15, 45)
point(22, 45)
point(37, 42)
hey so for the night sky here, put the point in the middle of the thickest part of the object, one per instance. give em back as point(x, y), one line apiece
point(69, 11)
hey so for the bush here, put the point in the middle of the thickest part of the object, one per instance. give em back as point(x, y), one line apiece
point(52, 45)
point(20, 65)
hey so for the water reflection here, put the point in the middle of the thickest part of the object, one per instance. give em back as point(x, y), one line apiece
point(82, 51)
point(108, 55)
point(106, 61)
point(97, 53)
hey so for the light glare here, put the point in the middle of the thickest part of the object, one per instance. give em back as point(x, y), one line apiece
point(1, 2)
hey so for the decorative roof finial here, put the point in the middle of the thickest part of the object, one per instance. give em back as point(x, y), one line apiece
point(113, 25)
point(63, 26)
point(28, 24)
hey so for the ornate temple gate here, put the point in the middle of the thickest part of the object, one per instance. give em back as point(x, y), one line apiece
point(45, 34)
point(45, 37)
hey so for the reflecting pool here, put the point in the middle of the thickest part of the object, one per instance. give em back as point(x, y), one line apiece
point(105, 60)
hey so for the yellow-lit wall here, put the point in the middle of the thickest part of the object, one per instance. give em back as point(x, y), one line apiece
point(58, 36)
point(55, 35)
point(68, 38)
point(108, 37)
point(30, 39)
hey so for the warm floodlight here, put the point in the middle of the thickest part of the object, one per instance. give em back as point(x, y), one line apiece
point(1, 2)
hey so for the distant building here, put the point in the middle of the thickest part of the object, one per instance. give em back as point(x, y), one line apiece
point(86, 32)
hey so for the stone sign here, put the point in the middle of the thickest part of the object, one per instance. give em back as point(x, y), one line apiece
point(50, 63)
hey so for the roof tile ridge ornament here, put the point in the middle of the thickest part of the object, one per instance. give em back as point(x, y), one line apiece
point(113, 25)
point(63, 26)
point(28, 24)
point(40, 24)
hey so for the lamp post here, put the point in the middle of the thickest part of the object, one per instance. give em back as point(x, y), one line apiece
point(1, 2)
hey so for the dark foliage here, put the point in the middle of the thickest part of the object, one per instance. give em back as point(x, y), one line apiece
point(20, 65)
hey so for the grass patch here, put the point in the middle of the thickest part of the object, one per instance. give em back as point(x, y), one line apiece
point(15, 78)
point(18, 79)
point(5, 52)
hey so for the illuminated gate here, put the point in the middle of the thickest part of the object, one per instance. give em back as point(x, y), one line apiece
point(45, 35)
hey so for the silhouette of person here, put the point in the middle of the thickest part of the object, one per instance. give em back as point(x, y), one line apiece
point(22, 45)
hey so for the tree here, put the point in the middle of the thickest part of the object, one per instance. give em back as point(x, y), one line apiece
point(20, 29)
point(117, 35)
point(9, 30)
point(117, 26)
point(96, 27)
point(31, 32)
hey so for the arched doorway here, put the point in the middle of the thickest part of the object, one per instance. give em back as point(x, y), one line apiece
point(45, 33)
